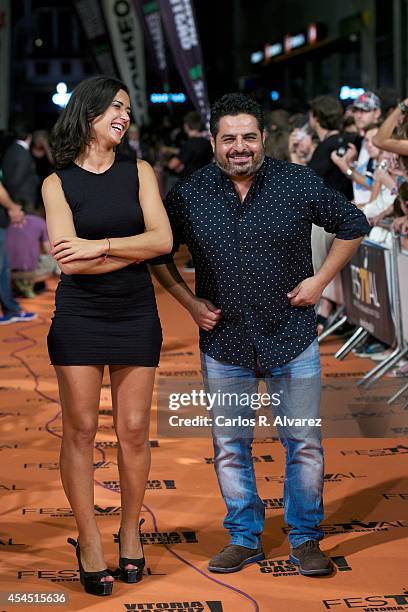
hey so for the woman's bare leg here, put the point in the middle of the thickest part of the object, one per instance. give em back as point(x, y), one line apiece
point(80, 389)
point(132, 389)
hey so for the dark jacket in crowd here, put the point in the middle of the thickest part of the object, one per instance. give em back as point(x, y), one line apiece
point(19, 175)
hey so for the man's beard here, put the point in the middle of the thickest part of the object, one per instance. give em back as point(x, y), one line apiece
point(232, 169)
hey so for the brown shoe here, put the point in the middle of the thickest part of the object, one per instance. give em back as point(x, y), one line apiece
point(310, 559)
point(232, 558)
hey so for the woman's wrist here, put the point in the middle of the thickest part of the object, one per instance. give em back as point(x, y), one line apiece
point(107, 247)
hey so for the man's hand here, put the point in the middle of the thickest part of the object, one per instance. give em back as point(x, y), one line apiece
point(204, 313)
point(340, 161)
point(16, 214)
point(307, 293)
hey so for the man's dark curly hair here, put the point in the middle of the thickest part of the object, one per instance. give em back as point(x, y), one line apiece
point(328, 111)
point(235, 104)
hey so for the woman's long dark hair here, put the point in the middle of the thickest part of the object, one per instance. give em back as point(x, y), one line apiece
point(72, 131)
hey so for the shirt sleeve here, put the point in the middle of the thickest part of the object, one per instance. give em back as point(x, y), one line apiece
point(173, 205)
point(335, 213)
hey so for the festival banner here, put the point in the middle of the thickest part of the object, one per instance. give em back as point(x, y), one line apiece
point(365, 290)
point(180, 25)
point(5, 31)
point(127, 41)
point(93, 24)
point(149, 15)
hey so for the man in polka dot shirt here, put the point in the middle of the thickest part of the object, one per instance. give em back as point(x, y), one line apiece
point(246, 220)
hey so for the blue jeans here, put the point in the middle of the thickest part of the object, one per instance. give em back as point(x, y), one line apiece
point(8, 303)
point(299, 383)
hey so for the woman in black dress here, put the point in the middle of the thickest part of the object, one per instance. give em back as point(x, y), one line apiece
point(105, 218)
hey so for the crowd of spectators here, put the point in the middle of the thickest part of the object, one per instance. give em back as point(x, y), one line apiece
point(362, 151)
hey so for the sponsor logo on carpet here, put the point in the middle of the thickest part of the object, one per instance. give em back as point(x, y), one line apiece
point(64, 512)
point(399, 496)
point(9, 541)
point(180, 374)
point(151, 485)
point(10, 487)
point(55, 465)
point(356, 526)
point(106, 444)
point(52, 575)
point(370, 603)
point(187, 606)
point(277, 568)
point(166, 537)
point(257, 459)
point(400, 449)
point(55, 428)
point(334, 477)
point(273, 504)
point(64, 575)
point(341, 476)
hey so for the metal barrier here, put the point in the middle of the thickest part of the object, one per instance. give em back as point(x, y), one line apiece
point(393, 289)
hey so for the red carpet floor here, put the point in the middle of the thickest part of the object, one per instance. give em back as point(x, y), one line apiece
point(366, 500)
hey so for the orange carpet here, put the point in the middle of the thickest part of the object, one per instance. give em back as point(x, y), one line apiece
point(366, 500)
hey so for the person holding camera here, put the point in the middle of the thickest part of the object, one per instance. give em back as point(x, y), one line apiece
point(325, 118)
point(365, 177)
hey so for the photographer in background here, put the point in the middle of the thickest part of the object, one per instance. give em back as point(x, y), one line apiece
point(325, 118)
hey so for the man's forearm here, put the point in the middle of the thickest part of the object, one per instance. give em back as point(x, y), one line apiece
point(387, 127)
point(170, 278)
point(340, 253)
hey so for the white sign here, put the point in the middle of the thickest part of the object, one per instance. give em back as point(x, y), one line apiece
point(256, 57)
point(273, 50)
point(127, 42)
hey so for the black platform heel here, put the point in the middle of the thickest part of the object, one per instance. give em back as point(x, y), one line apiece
point(135, 574)
point(91, 581)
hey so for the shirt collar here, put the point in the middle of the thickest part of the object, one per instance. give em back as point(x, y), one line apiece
point(23, 144)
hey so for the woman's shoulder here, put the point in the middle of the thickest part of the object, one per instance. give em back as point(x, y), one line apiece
point(144, 170)
point(52, 180)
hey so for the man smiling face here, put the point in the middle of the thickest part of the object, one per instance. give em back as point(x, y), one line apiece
point(239, 145)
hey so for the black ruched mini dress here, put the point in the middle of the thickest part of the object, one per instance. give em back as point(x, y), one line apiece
point(108, 318)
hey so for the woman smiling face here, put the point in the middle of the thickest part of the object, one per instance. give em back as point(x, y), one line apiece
point(109, 128)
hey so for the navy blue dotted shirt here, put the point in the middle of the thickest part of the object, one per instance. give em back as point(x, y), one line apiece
point(248, 255)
